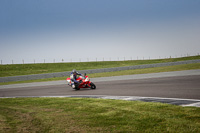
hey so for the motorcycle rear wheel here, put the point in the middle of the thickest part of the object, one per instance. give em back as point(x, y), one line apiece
point(76, 87)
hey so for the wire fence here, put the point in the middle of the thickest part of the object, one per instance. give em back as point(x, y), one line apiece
point(90, 59)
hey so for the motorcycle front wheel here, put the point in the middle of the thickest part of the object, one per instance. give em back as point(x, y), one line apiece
point(93, 86)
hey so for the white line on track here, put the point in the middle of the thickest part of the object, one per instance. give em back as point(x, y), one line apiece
point(174, 101)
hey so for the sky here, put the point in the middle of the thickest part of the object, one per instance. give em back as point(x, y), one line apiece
point(89, 30)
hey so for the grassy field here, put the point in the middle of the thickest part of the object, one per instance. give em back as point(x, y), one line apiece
point(27, 69)
point(149, 70)
point(118, 73)
point(94, 115)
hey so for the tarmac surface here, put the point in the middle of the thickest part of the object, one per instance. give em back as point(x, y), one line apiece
point(178, 88)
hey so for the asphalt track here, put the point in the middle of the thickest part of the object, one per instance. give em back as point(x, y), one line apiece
point(167, 88)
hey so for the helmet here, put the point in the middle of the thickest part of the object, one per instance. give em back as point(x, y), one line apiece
point(74, 70)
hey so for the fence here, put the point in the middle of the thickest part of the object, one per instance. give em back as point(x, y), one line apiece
point(34, 61)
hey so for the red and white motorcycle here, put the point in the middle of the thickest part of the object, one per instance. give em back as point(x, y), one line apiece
point(84, 82)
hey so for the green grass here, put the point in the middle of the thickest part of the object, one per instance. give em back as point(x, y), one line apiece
point(27, 69)
point(94, 115)
point(149, 70)
point(118, 73)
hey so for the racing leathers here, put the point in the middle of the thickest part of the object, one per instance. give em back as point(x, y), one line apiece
point(73, 78)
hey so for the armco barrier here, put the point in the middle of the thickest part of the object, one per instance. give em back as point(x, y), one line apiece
point(62, 74)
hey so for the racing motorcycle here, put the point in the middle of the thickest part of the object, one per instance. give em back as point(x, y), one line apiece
point(84, 82)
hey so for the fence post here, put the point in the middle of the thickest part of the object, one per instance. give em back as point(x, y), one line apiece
point(23, 61)
point(1, 62)
point(12, 61)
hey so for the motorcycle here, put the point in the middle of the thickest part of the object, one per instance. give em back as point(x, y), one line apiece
point(84, 82)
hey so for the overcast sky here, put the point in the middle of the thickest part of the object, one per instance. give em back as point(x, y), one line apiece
point(75, 30)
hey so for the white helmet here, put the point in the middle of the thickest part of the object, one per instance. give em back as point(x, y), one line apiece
point(74, 70)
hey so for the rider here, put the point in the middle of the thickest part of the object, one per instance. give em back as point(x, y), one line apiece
point(73, 77)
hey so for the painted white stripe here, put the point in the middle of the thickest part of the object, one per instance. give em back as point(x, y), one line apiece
point(193, 104)
point(128, 98)
point(114, 97)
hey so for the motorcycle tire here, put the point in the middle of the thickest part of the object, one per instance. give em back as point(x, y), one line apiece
point(76, 87)
point(93, 86)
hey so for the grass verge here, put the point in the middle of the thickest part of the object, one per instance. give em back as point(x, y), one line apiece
point(27, 69)
point(118, 73)
point(94, 115)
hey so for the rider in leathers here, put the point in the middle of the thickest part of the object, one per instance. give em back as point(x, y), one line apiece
point(73, 78)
